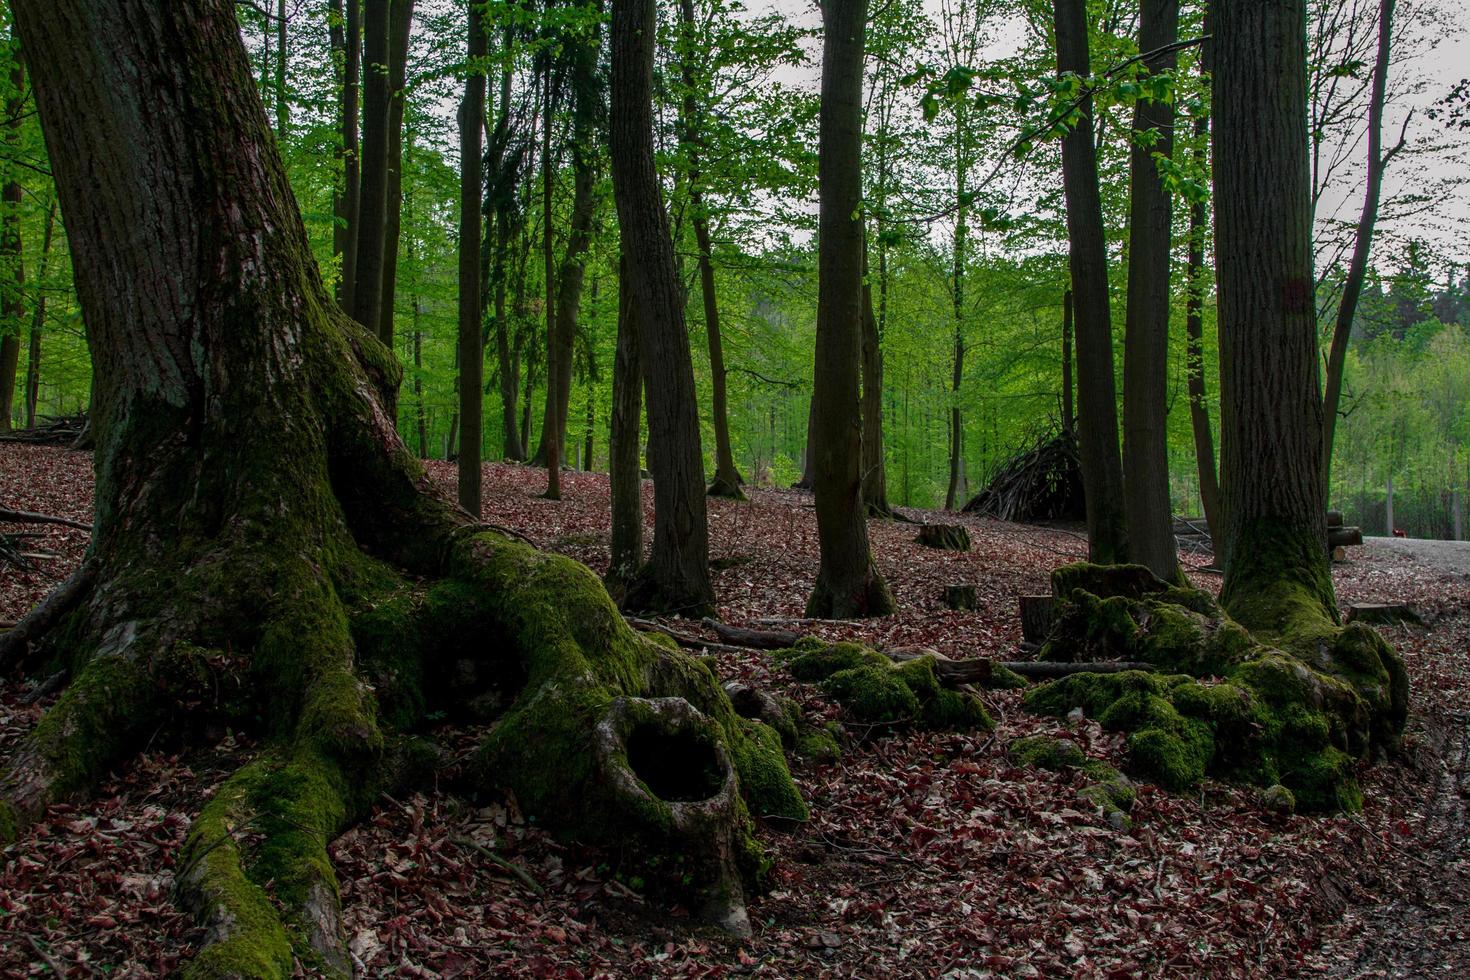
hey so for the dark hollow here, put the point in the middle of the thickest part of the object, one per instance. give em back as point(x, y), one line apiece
point(677, 768)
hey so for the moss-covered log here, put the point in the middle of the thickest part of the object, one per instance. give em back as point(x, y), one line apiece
point(1300, 706)
point(269, 555)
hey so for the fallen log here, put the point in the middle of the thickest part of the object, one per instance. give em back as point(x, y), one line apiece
point(754, 639)
point(1342, 537)
point(685, 640)
point(26, 517)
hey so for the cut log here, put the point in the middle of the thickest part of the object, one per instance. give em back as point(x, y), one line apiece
point(755, 639)
point(946, 537)
point(1339, 553)
point(1038, 612)
point(1334, 518)
point(960, 597)
point(1383, 613)
point(1341, 537)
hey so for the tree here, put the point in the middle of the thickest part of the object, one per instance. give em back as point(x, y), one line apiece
point(625, 550)
point(38, 317)
point(1097, 410)
point(346, 40)
point(677, 576)
point(257, 516)
point(848, 583)
point(1146, 339)
point(372, 216)
point(12, 293)
point(471, 342)
point(400, 23)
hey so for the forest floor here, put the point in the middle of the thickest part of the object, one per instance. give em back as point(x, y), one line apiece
point(927, 854)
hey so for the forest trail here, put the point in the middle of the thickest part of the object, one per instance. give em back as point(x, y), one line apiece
point(1443, 556)
point(927, 854)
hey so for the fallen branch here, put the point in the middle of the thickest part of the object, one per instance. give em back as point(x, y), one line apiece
point(754, 639)
point(685, 640)
point(26, 517)
point(15, 641)
point(515, 869)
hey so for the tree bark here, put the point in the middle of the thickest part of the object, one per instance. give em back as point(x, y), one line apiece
point(372, 215)
point(624, 468)
point(1275, 537)
point(551, 424)
point(848, 583)
point(1097, 400)
point(504, 172)
point(1352, 287)
point(12, 306)
point(400, 21)
point(346, 40)
point(38, 319)
point(875, 476)
point(283, 105)
point(471, 342)
point(257, 510)
point(1194, 329)
point(1069, 415)
point(1147, 506)
point(727, 479)
point(677, 578)
point(955, 492)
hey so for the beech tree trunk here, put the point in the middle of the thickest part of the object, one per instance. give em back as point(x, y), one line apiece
point(504, 171)
point(372, 217)
point(12, 260)
point(471, 340)
point(1275, 553)
point(1147, 507)
point(624, 437)
point(848, 583)
point(1194, 329)
point(1352, 286)
point(954, 494)
point(551, 424)
point(875, 476)
point(38, 318)
point(265, 547)
point(1069, 416)
point(1097, 399)
point(346, 40)
point(677, 577)
point(400, 21)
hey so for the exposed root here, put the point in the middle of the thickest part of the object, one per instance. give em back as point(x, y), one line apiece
point(15, 642)
point(724, 488)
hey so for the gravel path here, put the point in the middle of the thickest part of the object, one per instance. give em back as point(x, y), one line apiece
point(1444, 556)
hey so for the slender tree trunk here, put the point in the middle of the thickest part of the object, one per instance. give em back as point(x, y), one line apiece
point(677, 578)
point(1147, 506)
point(420, 417)
point(503, 206)
point(38, 319)
point(551, 424)
point(283, 104)
point(1352, 287)
point(346, 39)
point(807, 455)
point(400, 23)
point(1097, 404)
point(875, 478)
point(848, 583)
point(1194, 328)
point(1069, 417)
point(1276, 567)
point(954, 493)
point(727, 479)
point(1389, 527)
point(471, 348)
point(13, 303)
point(624, 468)
point(373, 202)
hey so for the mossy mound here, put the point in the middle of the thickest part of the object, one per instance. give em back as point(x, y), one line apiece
point(1298, 706)
point(1108, 789)
point(876, 691)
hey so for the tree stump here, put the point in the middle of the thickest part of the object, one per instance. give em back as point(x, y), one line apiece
point(1038, 612)
point(1382, 613)
point(960, 597)
point(946, 537)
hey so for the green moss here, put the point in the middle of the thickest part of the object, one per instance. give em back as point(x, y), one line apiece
point(873, 694)
point(9, 824)
point(1045, 752)
point(812, 661)
point(1004, 679)
point(1283, 595)
point(1105, 581)
point(1175, 757)
point(818, 745)
point(764, 778)
point(876, 691)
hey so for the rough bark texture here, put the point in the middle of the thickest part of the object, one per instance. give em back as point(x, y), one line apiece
point(1069, 415)
point(471, 340)
point(1271, 404)
point(346, 41)
point(624, 463)
point(400, 20)
point(367, 291)
point(1146, 337)
point(246, 471)
point(677, 577)
point(875, 472)
point(955, 493)
point(848, 583)
point(504, 172)
point(1194, 365)
point(13, 307)
point(557, 372)
point(1097, 405)
point(1352, 286)
point(38, 319)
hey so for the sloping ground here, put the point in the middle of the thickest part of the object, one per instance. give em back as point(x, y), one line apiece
point(927, 854)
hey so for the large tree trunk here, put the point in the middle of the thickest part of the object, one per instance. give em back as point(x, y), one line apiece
point(346, 40)
point(471, 340)
point(1194, 329)
point(1146, 336)
point(372, 217)
point(727, 479)
point(677, 577)
point(247, 470)
point(38, 319)
point(624, 459)
point(13, 307)
point(848, 583)
point(1271, 404)
point(1097, 399)
point(1352, 287)
point(400, 21)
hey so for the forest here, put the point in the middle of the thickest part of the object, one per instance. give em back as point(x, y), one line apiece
point(615, 487)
